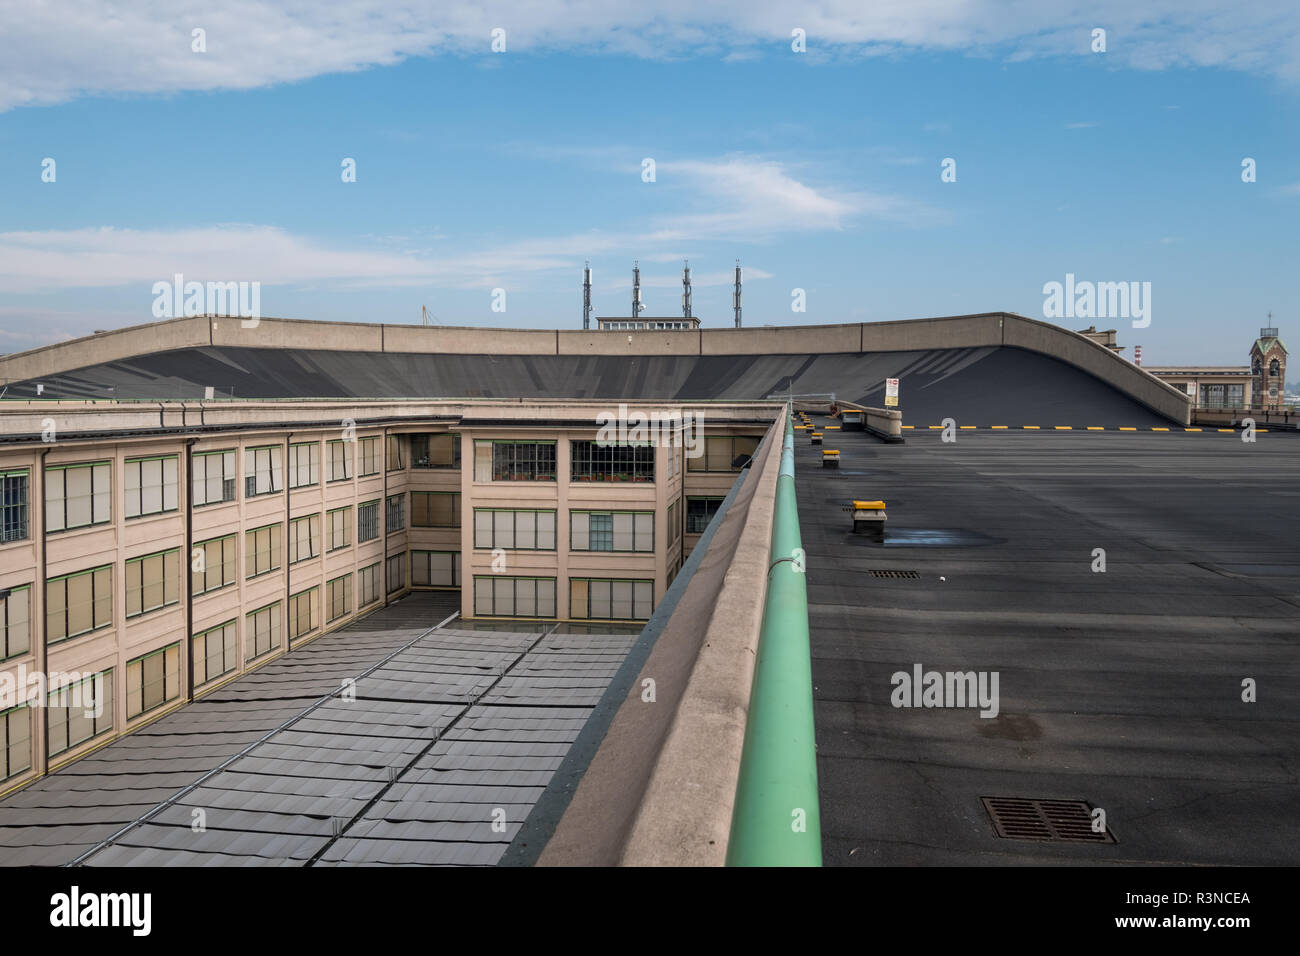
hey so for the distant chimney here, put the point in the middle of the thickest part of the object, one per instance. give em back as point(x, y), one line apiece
point(1137, 355)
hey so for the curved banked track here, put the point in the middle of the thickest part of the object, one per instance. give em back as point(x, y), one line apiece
point(978, 386)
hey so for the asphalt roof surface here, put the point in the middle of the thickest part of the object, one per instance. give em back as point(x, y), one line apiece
point(985, 386)
point(453, 734)
point(1122, 689)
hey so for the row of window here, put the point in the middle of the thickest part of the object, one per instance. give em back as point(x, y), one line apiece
point(81, 602)
point(506, 460)
point(589, 598)
point(80, 495)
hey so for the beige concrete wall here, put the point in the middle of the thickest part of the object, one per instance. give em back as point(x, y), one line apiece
point(468, 341)
point(781, 340)
point(296, 334)
point(112, 346)
point(637, 342)
point(952, 332)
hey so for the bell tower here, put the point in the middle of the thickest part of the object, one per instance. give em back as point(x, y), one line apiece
point(1268, 368)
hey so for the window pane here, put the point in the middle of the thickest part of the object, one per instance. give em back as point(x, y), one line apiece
point(600, 599)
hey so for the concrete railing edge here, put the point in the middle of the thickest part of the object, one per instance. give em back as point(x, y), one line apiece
point(685, 816)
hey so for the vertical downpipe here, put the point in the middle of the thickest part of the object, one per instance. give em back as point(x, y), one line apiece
point(284, 540)
point(383, 511)
point(45, 616)
point(187, 576)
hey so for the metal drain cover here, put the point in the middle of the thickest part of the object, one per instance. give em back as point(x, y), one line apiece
point(894, 573)
point(1048, 821)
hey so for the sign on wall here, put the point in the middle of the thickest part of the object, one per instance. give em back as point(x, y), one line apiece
point(891, 392)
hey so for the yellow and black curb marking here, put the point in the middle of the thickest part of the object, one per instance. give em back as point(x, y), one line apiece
point(1091, 428)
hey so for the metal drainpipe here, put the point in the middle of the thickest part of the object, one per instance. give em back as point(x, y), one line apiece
point(777, 786)
point(284, 540)
point(189, 557)
point(45, 614)
point(383, 513)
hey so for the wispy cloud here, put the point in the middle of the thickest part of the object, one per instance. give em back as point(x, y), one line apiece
point(51, 53)
point(734, 199)
point(1081, 125)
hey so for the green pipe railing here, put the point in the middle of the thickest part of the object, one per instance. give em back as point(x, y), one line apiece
point(776, 820)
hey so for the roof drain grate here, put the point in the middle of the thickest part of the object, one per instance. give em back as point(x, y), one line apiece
point(895, 573)
point(1047, 821)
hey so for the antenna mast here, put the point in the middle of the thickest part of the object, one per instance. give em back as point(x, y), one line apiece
point(735, 296)
point(586, 295)
point(686, 289)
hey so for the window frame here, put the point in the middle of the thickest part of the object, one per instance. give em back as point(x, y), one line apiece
point(24, 508)
point(255, 472)
point(600, 465)
point(427, 554)
point(63, 470)
point(204, 636)
point(427, 439)
point(611, 582)
point(687, 514)
point(176, 645)
point(361, 508)
point(6, 624)
point(313, 538)
point(162, 488)
point(514, 529)
point(53, 725)
point(426, 498)
point(611, 512)
point(275, 548)
point(94, 601)
point(274, 613)
point(233, 477)
point(494, 579)
point(140, 559)
point(312, 465)
point(234, 563)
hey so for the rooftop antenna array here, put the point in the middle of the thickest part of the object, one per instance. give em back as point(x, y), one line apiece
point(586, 295)
point(686, 289)
point(735, 296)
point(637, 305)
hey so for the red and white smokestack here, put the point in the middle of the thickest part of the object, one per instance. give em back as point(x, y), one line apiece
point(1137, 355)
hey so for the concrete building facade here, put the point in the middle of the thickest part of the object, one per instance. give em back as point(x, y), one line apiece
point(152, 552)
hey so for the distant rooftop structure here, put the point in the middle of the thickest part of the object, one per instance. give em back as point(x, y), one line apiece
point(636, 320)
point(618, 323)
point(1106, 338)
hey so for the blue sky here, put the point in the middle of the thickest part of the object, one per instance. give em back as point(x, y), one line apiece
point(820, 171)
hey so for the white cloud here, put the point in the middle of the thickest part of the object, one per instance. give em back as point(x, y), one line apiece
point(745, 199)
point(50, 53)
point(735, 199)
